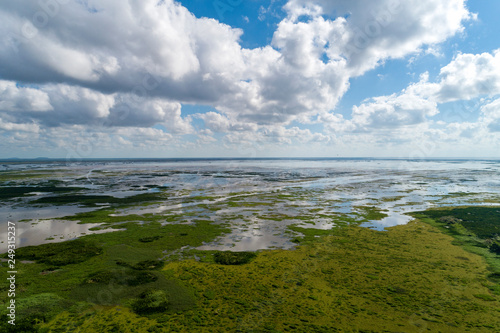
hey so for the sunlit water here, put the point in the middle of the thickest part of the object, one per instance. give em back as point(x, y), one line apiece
point(328, 186)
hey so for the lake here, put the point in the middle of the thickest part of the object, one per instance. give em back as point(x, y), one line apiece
point(258, 199)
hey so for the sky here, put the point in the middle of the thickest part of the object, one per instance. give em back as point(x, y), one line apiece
point(256, 78)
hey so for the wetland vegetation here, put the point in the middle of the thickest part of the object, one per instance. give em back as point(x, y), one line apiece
point(289, 257)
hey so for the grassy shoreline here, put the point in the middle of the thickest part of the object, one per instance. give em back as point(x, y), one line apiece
point(410, 278)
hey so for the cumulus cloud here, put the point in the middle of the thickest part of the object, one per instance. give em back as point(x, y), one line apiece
point(393, 111)
point(161, 50)
point(8, 126)
point(64, 105)
point(133, 111)
point(491, 115)
point(219, 123)
point(384, 29)
point(127, 66)
point(144, 136)
point(112, 47)
point(215, 121)
point(467, 76)
point(14, 98)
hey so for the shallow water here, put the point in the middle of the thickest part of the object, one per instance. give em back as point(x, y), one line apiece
point(256, 190)
point(48, 231)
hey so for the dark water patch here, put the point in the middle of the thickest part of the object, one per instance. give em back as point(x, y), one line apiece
point(9, 192)
point(94, 200)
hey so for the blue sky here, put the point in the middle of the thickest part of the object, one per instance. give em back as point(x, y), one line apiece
point(231, 78)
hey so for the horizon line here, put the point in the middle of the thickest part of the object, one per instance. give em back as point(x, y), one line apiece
point(58, 159)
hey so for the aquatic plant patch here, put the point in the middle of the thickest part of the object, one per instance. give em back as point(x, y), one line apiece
point(484, 222)
point(94, 200)
point(60, 254)
point(343, 279)
point(9, 192)
point(233, 258)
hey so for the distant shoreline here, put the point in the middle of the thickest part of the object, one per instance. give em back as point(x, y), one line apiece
point(204, 159)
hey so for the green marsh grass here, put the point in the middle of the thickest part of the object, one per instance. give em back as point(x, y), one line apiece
point(348, 279)
point(145, 278)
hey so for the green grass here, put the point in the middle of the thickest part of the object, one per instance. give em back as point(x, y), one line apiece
point(108, 269)
point(370, 213)
point(484, 222)
point(309, 235)
point(103, 216)
point(9, 192)
point(415, 277)
point(94, 200)
point(351, 280)
point(474, 228)
point(233, 258)
point(33, 309)
point(461, 223)
point(60, 254)
point(121, 286)
point(151, 301)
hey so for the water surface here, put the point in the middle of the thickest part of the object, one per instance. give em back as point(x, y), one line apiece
point(259, 199)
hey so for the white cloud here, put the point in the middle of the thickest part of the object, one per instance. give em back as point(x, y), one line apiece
point(491, 115)
point(144, 136)
point(220, 123)
point(383, 29)
point(393, 111)
point(161, 50)
point(14, 98)
point(215, 121)
point(133, 63)
point(466, 77)
point(275, 135)
point(8, 126)
point(64, 105)
point(469, 76)
point(79, 102)
point(118, 45)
